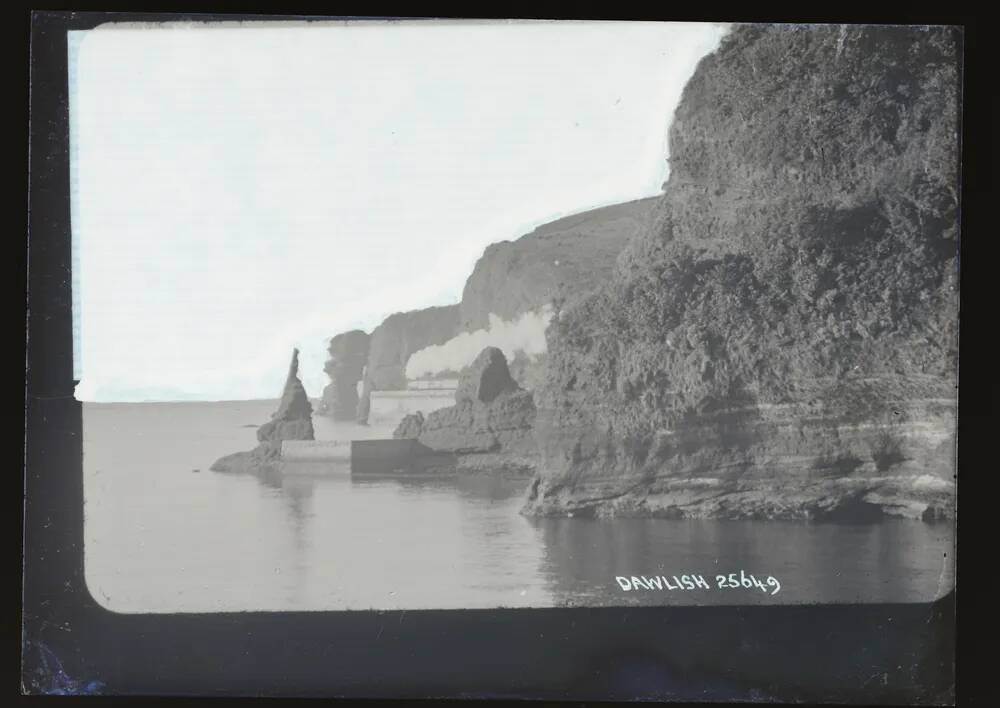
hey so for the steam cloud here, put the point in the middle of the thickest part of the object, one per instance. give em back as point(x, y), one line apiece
point(526, 334)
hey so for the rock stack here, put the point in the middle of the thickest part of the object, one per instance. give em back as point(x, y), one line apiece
point(292, 421)
point(345, 367)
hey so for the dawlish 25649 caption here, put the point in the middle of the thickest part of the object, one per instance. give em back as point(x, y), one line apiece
point(696, 581)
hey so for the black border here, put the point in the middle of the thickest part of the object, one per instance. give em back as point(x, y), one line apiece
point(866, 653)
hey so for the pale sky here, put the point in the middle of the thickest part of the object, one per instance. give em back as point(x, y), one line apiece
point(242, 189)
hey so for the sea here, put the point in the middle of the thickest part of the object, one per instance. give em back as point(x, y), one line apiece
point(163, 533)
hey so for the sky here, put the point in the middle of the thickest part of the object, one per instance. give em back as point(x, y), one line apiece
point(241, 189)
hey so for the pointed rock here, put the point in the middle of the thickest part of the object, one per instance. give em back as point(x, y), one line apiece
point(486, 378)
point(294, 404)
point(292, 421)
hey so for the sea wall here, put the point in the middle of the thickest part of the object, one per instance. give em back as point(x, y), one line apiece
point(780, 339)
point(388, 408)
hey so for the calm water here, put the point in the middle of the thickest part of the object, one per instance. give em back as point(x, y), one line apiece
point(162, 537)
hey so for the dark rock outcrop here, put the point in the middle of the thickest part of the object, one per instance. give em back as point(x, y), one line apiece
point(291, 421)
point(486, 378)
point(392, 343)
point(410, 426)
point(490, 426)
point(503, 425)
point(345, 367)
point(780, 341)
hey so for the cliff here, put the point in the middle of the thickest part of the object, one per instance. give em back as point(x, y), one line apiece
point(780, 340)
point(345, 367)
point(555, 263)
point(395, 339)
point(552, 263)
point(491, 424)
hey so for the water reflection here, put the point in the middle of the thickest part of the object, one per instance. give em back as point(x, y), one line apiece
point(477, 487)
point(159, 538)
point(889, 561)
point(448, 542)
point(478, 546)
point(296, 493)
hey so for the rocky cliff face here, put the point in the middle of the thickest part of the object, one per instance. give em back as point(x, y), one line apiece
point(552, 263)
point(395, 339)
point(491, 424)
point(345, 367)
point(781, 339)
point(291, 421)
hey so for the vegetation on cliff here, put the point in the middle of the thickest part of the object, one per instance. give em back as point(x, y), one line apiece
point(803, 255)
